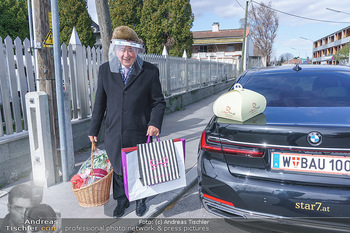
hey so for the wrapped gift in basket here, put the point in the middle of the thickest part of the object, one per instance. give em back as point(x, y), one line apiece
point(92, 184)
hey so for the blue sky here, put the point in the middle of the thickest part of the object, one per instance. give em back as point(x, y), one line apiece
point(228, 13)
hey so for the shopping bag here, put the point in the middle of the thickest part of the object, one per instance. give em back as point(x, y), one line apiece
point(239, 104)
point(133, 187)
point(157, 162)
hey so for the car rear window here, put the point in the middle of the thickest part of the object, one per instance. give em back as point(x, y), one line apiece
point(302, 89)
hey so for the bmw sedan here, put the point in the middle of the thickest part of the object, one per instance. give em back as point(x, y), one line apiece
point(289, 165)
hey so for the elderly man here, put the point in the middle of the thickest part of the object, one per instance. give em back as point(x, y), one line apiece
point(130, 94)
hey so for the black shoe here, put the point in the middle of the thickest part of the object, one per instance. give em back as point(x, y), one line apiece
point(140, 207)
point(119, 210)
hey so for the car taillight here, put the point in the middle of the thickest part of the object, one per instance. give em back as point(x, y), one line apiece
point(249, 152)
point(229, 148)
point(206, 147)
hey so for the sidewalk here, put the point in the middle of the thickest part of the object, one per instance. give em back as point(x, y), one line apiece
point(187, 123)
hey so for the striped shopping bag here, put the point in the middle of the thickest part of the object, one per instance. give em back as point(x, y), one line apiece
point(157, 162)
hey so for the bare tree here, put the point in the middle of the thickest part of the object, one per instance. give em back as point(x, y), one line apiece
point(263, 23)
point(287, 56)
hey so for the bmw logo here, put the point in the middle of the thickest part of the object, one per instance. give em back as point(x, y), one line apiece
point(314, 138)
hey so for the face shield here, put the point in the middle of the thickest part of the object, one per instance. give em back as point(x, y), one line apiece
point(122, 52)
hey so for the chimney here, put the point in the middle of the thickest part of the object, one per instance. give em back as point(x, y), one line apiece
point(216, 27)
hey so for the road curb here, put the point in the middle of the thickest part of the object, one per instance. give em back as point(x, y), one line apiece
point(191, 180)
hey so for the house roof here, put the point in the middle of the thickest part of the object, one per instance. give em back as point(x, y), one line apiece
point(220, 34)
point(95, 26)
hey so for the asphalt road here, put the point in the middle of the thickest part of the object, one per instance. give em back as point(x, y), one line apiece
point(189, 208)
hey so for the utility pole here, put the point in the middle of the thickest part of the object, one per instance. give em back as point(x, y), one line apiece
point(59, 88)
point(244, 35)
point(104, 21)
point(45, 79)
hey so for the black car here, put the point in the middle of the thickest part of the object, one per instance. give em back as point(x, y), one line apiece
point(289, 165)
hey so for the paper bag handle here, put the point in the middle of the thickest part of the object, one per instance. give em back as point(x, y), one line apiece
point(238, 87)
point(149, 137)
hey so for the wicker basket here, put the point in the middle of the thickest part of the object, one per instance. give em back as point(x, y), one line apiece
point(97, 193)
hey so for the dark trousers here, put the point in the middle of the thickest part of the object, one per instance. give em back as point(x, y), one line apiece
point(118, 188)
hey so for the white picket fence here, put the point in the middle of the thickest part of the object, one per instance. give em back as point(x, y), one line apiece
point(79, 70)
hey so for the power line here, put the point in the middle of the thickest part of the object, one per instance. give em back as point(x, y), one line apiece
point(302, 17)
point(240, 4)
point(337, 11)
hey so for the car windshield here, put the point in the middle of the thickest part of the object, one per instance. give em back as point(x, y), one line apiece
point(302, 89)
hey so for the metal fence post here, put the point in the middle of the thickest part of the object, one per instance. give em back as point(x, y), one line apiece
point(79, 74)
point(200, 72)
point(167, 75)
point(186, 71)
point(217, 69)
point(186, 75)
point(167, 71)
point(210, 81)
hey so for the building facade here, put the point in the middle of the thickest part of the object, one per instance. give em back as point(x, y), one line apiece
point(97, 33)
point(326, 47)
point(224, 45)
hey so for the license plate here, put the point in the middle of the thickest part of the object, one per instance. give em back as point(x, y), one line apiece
point(339, 165)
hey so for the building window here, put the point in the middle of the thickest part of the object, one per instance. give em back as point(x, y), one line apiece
point(203, 49)
point(230, 48)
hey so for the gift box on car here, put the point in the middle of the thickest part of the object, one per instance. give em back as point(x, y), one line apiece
point(239, 104)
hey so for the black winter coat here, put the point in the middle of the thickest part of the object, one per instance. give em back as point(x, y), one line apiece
point(129, 108)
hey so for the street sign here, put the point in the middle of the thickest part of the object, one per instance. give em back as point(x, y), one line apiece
point(48, 40)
